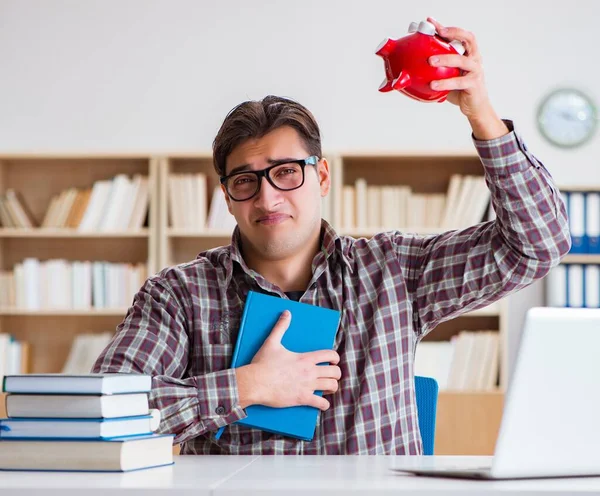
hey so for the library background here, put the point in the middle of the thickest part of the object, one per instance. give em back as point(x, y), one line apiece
point(84, 219)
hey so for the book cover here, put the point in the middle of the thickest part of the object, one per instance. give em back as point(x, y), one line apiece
point(77, 405)
point(311, 328)
point(110, 383)
point(89, 455)
point(75, 428)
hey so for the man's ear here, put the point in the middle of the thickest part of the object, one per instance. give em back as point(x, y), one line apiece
point(324, 176)
point(227, 199)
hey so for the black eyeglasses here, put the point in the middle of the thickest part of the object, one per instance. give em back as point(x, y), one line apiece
point(285, 176)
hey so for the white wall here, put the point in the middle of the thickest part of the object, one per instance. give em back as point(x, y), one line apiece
point(141, 75)
point(122, 75)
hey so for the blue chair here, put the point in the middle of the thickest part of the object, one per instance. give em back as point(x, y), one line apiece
point(426, 392)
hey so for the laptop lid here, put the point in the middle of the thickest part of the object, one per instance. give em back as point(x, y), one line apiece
point(551, 420)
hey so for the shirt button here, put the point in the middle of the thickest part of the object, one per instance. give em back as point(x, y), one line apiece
point(220, 410)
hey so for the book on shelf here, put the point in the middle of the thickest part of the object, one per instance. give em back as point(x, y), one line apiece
point(188, 204)
point(79, 428)
point(373, 207)
point(14, 211)
point(77, 406)
point(84, 351)
point(110, 383)
point(117, 204)
point(188, 201)
point(14, 355)
point(311, 328)
point(573, 285)
point(73, 285)
point(467, 362)
point(103, 455)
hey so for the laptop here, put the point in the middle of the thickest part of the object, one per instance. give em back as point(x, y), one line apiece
point(551, 419)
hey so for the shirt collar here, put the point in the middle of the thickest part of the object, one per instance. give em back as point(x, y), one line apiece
point(331, 246)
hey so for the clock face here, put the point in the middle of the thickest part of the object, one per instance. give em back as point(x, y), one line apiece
point(567, 118)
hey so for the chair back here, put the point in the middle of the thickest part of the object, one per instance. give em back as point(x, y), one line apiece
point(426, 392)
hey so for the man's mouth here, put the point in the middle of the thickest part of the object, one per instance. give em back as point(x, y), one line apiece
point(271, 219)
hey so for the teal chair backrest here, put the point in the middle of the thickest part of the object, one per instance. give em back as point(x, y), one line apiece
point(426, 392)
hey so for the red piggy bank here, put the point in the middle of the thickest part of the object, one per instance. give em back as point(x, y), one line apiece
point(406, 61)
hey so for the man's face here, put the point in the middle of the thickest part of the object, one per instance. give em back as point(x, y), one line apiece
point(278, 224)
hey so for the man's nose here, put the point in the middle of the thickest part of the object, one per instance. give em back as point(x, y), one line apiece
point(267, 194)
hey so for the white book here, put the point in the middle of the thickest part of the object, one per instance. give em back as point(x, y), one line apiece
point(80, 428)
point(479, 201)
point(140, 208)
point(124, 217)
point(577, 218)
point(95, 207)
point(452, 196)
point(115, 204)
point(114, 455)
point(200, 190)
point(77, 405)
point(78, 384)
point(361, 203)
point(374, 207)
point(349, 204)
point(575, 284)
point(31, 276)
point(212, 221)
point(556, 287)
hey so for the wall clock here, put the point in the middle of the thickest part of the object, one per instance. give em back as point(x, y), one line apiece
point(567, 117)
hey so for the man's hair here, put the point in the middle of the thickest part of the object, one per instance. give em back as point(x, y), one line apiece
point(255, 118)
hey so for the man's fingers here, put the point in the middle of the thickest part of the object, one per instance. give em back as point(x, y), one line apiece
point(330, 385)
point(319, 402)
point(458, 83)
point(323, 356)
point(452, 33)
point(329, 372)
point(467, 64)
point(281, 326)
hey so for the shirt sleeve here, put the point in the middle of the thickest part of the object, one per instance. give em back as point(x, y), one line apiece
point(153, 339)
point(466, 269)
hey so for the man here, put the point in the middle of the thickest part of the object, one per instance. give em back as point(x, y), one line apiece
point(392, 289)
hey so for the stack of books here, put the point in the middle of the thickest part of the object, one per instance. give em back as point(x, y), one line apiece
point(91, 422)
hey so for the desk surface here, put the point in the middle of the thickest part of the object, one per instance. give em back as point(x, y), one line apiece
point(309, 475)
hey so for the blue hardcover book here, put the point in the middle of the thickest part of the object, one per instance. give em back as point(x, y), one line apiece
point(75, 428)
point(312, 328)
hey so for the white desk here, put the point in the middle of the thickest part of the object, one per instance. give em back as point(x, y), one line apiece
point(308, 475)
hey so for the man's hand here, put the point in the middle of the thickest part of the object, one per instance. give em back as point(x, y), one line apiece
point(468, 91)
point(279, 378)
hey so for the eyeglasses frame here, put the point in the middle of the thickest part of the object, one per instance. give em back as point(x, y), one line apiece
point(303, 162)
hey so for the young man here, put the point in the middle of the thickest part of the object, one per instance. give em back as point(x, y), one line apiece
point(392, 289)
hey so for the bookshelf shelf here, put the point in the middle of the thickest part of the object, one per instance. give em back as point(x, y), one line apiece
point(69, 233)
point(581, 259)
point(104, 312)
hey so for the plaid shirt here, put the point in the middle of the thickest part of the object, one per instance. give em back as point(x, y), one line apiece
point(392, 289)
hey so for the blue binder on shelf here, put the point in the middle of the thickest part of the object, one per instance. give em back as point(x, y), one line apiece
point(576, 211)
point(312, 328)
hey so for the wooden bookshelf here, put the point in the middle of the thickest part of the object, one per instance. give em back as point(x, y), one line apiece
point(38, 178)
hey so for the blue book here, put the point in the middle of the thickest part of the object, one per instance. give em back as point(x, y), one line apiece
point(75, 428)
point(312, 328)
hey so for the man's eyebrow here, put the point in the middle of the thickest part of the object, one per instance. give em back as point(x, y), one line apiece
point(272, 161)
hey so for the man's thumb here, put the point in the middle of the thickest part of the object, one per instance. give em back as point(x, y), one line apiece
point(281, 326)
